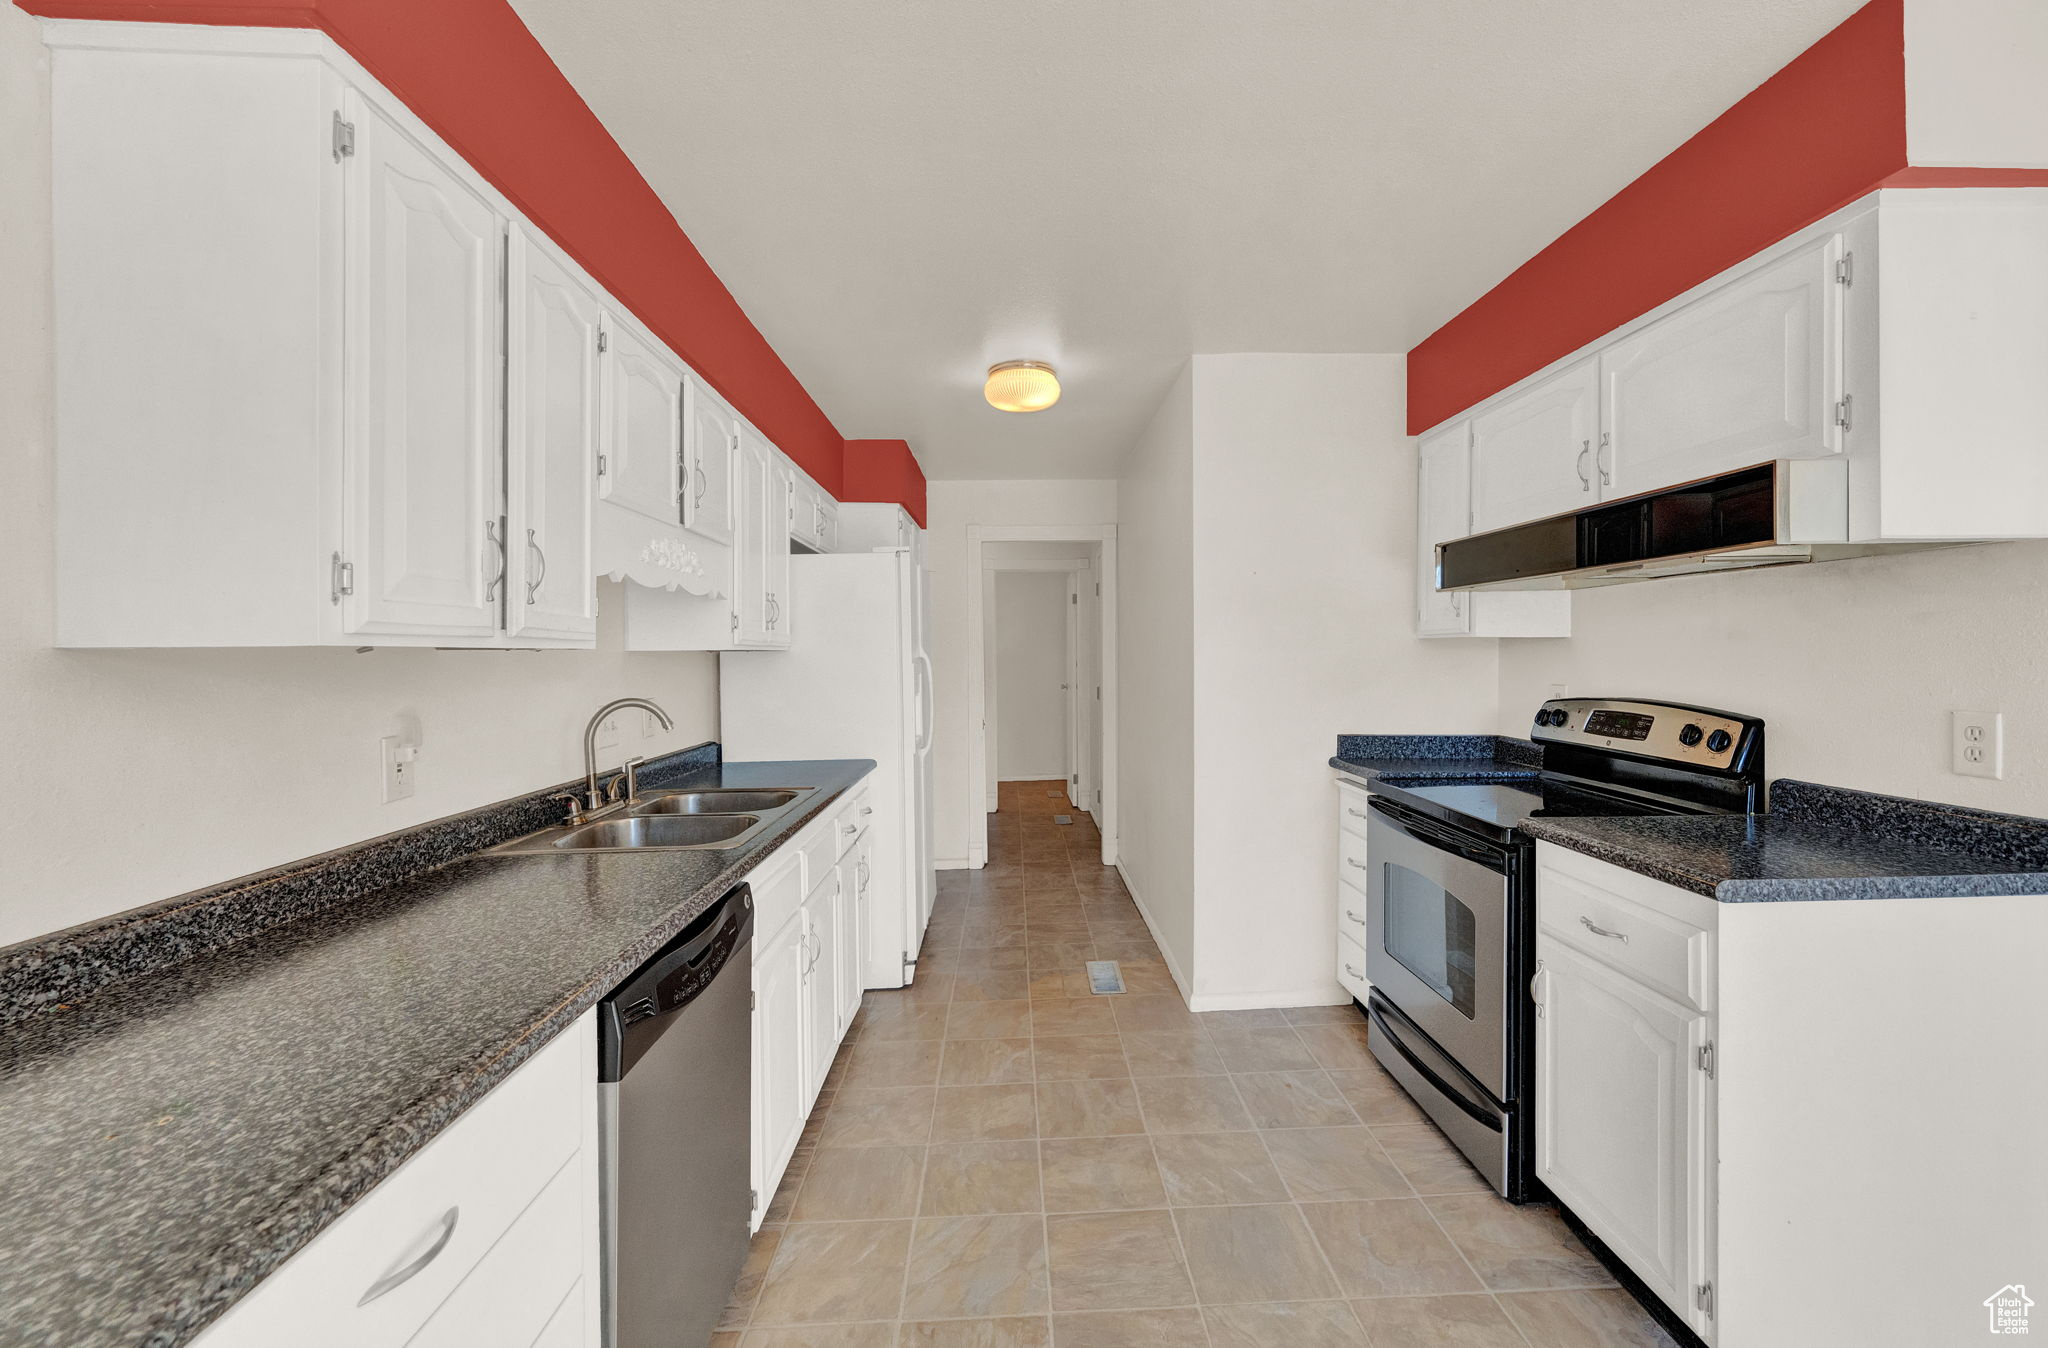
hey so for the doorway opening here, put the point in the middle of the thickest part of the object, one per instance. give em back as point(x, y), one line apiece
point(1042, 690)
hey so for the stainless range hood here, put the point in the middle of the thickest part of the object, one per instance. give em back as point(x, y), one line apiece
point(1772, 514)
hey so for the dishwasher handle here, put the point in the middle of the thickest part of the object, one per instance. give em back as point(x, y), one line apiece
point(644, 1007)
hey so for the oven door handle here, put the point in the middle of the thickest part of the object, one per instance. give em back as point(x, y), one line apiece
point(1443, 1087)
point(1435, 835)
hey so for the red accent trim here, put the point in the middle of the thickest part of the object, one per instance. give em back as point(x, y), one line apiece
point(885, 470)
point(1827, 129)
point(1967, 177)
point(471, 71)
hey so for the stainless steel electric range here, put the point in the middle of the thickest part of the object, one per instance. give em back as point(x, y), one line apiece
point(1451, 924)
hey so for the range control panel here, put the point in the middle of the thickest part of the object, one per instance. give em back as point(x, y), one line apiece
point(1668, 731)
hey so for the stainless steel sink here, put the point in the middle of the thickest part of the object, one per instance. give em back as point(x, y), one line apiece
point(719, 801)
point(664, 831)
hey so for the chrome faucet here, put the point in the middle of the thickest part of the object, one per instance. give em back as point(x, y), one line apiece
point(593, 794)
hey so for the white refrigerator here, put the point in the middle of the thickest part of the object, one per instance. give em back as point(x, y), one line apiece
point(856, 682)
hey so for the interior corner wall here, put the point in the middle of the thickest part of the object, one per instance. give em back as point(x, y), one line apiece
point(1155, 675)
point(1304, 629)
point(953, 507)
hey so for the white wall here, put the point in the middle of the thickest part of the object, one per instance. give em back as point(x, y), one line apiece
point(1030, 618)
point(1155, 671)
point(239, 759)
point(950, 508)
point(1855, 665)
point(1304, 557)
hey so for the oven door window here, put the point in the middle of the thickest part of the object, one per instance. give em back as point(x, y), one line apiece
point(1433, 935)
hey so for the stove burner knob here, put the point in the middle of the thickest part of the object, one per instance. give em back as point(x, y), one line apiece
point(1719, 740)
point(1691, 735)
point(1555, 716)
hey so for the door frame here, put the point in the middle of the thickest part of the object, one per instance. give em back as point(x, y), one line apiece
point(977, 630)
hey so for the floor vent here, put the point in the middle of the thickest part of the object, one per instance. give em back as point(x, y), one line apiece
point(1063, 819)
point(1105, 978)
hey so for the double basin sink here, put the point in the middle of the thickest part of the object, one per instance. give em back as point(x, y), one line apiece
point(669, 821)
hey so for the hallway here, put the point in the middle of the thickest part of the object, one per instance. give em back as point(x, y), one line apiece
point(1002, 1160)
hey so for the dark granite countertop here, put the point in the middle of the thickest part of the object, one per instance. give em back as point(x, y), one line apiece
point(1821, 843)
point(175, 1136)
point(1418, 757)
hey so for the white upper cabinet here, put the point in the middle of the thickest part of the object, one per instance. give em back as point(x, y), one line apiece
point(710, 444)
point(1533, 453)
point(761, 561)
point(550, 443)
point(424, 546)
point(1748, 373)
point(643, 424)
point(1443, 512)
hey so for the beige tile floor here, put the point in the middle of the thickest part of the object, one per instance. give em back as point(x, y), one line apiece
point(1001, 1160)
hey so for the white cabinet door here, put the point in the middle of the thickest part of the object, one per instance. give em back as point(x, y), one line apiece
point(643, 425)
point(550, 445)
point(421, 507)
point(821, 980)
point(761, 531)
point(775, 557)
point(1621, 1109)
point(780, 1077)
point(1532, 455)
point(711, 439)
point(1747, 373)
point(1443, 512)
point(858, 867)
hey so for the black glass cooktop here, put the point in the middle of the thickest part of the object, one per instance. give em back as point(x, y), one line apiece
point(1498, 806)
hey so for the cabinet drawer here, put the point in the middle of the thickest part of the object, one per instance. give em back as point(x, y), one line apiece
point(846, 826)
point(860, 812)
point(1657, 950)
point(511, 1296)
point(1351, 863)
point(442, 1210)
point(1351, 967)
point(1351, 811)
point(778, 886)
point(1351, 911)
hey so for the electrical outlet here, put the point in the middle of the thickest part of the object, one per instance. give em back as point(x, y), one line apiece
point(1558, 690)
point(401, 762)
point(1977, 743)
point(608, 733)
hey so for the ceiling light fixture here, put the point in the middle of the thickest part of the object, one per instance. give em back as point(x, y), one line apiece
point(1021, 386)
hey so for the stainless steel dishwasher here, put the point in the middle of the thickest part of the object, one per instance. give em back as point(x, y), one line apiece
point(675, 1084)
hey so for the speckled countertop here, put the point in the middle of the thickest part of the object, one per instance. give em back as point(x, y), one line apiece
point(1424, 756)
point(179, 1134)
point(1821, 843)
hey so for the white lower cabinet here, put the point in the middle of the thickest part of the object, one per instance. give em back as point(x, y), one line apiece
point(781, 1075)
point(824, 932)
point(488, 1235)
point(1354, 882)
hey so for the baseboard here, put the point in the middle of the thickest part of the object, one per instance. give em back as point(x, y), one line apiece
point(1060, 777)
point(952, 864)
point(1332, 995)
point(1180, 978)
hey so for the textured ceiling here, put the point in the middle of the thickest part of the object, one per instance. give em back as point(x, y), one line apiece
point(901, 194)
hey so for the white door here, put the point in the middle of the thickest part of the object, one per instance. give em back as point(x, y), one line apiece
point(780, 1096)
point(859, 868)
point(550, 446)
point(643, 425)
point(1443, 512)
point(1746, 374)
point(1532, 455)
point(821, 980)
point(711, 440)
point(422, 500)
point(1621, 1108)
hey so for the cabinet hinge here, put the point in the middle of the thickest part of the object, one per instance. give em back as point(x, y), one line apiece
point(750, 1001)
point(344, 138)
point(1704, 1057)
point(1074, 599)
point(1098, 589)
point(910, 961)
point(602, 463)
point(1843, 409)
point(341, 579)
point(1703, 1297)
point(753, 1199)
point(1845, 270)
point(604, 341)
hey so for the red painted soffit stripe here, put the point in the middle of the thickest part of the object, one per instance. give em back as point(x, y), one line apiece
point(472, 71)
point(885, 470)
point(1825, 130)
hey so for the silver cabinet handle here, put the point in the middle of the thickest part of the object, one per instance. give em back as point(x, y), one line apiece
point(698, 499)
point(683, 496)
point(1356, 864)
point(1587, 923)
point(540, 574)
point(496, 540)
point(407, 1270)
point(850, 828)
point(867, 809)
point(1579, 465)
point(1356, 814)
point(1604, 460)
point(1355, 973)
point(1535, 979)
point(1354, 916)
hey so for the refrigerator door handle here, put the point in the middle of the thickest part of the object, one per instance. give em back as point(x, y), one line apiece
point(924, 700)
